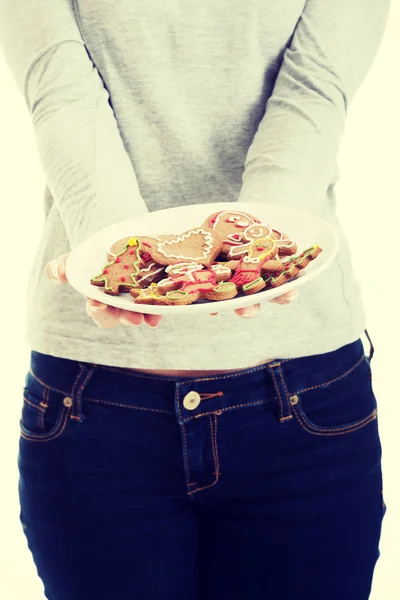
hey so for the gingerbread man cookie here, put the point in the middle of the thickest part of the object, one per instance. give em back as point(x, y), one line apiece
point(249, 269)
point(284, 245)
point(230, 225)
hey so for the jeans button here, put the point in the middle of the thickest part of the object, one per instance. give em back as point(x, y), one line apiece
point(191, 400)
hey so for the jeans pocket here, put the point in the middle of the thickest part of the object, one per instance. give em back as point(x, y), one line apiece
point(340, 406)
point(45, 411)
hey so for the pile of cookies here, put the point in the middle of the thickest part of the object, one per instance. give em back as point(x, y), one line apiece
point(232, 252)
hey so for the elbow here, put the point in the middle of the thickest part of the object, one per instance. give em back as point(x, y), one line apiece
point(59, 77)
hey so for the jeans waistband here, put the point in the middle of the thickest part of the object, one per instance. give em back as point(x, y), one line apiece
point(280, 377)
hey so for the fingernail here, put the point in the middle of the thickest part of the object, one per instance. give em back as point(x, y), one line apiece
point(246, 314)
point(54, 271)
point(125, 321)
point(93, 308)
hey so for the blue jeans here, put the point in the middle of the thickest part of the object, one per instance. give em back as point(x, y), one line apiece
point(261, 484)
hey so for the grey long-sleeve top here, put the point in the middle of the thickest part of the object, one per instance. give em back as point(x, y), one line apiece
point(142, 106)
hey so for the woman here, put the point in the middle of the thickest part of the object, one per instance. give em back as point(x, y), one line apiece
point(204, 458)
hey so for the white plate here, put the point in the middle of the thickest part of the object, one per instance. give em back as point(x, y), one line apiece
point(306, 229)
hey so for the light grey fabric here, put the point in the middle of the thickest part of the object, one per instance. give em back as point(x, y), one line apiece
point(139, 106)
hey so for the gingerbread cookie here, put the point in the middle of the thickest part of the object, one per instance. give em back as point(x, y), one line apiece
point(201, 245)
point(122, 273)
point(222, 291)
point(183, 273)
point(284, 245)
point(150, 273)
point(230, 225)
point(149, 295)
point(147, 242)
point(192, 293)
point(250, 266)
point(293, 267)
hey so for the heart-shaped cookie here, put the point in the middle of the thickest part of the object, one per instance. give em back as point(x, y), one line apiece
point(201, 245)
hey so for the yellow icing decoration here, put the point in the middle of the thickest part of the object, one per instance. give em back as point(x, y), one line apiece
point(133, 241)
point(262, 241)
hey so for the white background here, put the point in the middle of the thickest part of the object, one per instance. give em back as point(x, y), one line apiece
point(368, 205)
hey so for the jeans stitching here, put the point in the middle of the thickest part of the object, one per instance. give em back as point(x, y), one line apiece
point(332, 380)
point(44, 403)
point(279, 394)
point(34, 405)
point(79, 399)
point(55, 434)
point(333, 430)
point(214, 446)
point(156, 410)
point(222, 410)
point(185, 453)
point(46, 385)
point(217, 473)
point(289, 416)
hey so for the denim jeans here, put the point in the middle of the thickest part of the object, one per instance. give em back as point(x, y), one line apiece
point(260, 484)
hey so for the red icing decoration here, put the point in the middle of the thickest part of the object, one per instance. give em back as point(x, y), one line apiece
point(123, 278)
point(105, 271)
point(118, 259)
point(126, 266)
point(132, 252)
point(146, 256)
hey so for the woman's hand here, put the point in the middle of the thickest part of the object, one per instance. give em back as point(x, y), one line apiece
point(103, 315)
point(107, 317)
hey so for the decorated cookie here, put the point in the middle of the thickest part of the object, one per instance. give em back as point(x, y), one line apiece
point(254, 286)
point(147, 242)
point(201, 245)
point(275, 265)
point(183, 273)
point(293, 267)
point(230, 225)
point(284, 245)
point(250, 266)
point(150, 273)
point(121, 274)
point(249, 235)
point(149, 270)
point(149, 295)
point(192, 293)
point(230, 264)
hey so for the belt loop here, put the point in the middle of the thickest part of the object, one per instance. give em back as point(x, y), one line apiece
point(285, 407)
point(85, 373)
point(372, 349)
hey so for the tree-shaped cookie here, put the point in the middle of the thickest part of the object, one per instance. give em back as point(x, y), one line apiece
point(293, 266)
point(122, 273)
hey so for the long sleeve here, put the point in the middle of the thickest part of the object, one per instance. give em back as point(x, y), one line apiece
point(292, 158)
point(87, 168)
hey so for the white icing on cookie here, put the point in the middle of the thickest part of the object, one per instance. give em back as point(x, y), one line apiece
point(208, 241)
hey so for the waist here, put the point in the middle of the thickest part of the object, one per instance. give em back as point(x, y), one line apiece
point(193, 373)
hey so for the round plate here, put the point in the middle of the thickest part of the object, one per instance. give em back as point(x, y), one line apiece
point(306, 229)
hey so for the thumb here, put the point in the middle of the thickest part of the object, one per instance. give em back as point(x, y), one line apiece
point(56, 269)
